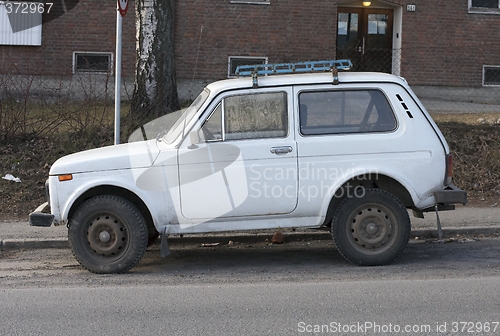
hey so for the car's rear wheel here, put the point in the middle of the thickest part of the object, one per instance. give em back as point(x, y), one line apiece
point(372, 229)
point(108, 234)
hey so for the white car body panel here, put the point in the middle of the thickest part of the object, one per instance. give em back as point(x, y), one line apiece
point(124, 156)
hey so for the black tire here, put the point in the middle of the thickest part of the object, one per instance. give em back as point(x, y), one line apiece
point(108, 234)
point(372, 229)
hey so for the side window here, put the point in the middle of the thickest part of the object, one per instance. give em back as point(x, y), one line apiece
point(337, 112)
point(212, 130)
point(249, 116)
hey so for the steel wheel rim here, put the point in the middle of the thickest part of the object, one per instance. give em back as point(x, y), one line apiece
point(107, 236)
point(372, 229)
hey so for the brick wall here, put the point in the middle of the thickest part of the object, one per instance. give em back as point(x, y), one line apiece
point(445, 45)
point(442, 43)
point(208, 31)
point(90, 26)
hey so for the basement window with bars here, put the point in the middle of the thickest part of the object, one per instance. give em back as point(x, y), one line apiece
point(484, 6)
point(491, 75)
point(97, 62)
point(236, 61)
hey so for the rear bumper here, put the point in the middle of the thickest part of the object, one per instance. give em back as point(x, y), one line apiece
point(451, 195)
point(445, 200)
point(40, 218)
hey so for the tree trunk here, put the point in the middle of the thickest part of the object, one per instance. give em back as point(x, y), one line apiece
point(155, 89)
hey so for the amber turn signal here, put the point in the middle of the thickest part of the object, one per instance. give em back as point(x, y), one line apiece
point(67, 177)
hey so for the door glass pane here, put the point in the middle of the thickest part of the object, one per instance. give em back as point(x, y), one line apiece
point(212, 130)
point(252, 116)
point(377, 31)
point(347, 30)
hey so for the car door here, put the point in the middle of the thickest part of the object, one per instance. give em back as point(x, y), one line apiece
point(241, 158)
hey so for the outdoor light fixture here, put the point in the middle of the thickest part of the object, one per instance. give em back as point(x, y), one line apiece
point(366, 3)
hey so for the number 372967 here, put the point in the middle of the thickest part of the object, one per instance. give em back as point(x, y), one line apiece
point(28, 7)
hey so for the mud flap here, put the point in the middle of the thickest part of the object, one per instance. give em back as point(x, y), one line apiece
point(440, 231)
point(164, 249)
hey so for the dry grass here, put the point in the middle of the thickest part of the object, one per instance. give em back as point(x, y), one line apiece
point(41, 119)
point(476, 151)
point(466, 118)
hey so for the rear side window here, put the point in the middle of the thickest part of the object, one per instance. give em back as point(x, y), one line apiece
point(338, 112)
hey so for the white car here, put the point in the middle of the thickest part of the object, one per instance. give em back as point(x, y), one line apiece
point(349, 151)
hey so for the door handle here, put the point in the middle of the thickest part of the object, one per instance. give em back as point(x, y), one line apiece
point(361, 48)
point(281, 149)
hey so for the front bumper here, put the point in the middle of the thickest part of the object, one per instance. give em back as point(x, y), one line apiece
point(40, 218)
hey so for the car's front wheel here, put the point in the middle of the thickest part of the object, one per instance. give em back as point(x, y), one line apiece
point(108, 234)
point(372, 229)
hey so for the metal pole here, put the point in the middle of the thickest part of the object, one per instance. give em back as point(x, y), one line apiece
point(118, 74)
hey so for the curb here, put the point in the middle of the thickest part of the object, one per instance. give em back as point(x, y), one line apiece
point(62, 243)
point(34, 243)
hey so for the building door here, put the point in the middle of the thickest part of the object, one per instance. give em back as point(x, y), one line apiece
point(364, 35)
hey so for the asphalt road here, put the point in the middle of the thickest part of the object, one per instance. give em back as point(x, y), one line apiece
point(378, 306)
point(258, 288)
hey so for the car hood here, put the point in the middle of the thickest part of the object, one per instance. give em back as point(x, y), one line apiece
point(125, 156)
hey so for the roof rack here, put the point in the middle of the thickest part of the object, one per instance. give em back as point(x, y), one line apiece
point(288, 68)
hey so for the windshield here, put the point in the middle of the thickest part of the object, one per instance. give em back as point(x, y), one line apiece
point(170, 126)
point(185, 117)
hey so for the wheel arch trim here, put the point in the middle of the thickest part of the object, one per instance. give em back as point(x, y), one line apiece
point(402, 185)
point(108, 189)
point(149, 206)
